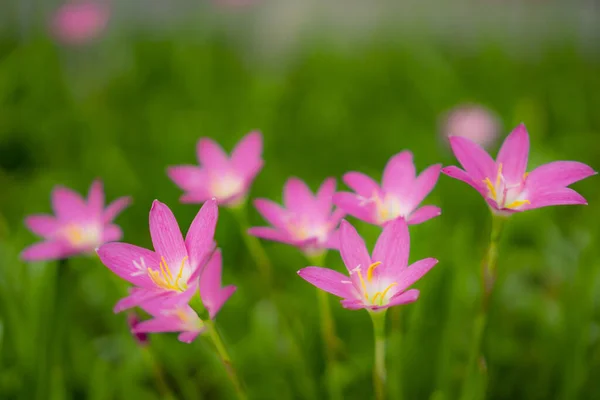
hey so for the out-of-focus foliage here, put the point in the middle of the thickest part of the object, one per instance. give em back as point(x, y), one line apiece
point(126, 111)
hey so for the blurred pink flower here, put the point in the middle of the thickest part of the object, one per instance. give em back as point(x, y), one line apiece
point(79, 226)
point(307, 221)
point(133, 321)
point(505, 183)
point(376, 282)
point(77, 23)
point(219, 176)
point(174, 266)
point(472, 122)
point(400, 194)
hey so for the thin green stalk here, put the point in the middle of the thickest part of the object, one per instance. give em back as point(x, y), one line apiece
point(224, 355)
point(161, 382)
point(379, 370)
point(475, 385)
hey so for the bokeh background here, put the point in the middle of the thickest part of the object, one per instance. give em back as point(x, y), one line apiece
point(334, 86)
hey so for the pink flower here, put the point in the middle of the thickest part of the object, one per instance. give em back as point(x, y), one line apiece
point(375, 282)
point(472, 122)
point(174, 266)
point(79, 22)
point(78, 227)
point(175, 314)
point(227, 179)
point(133, 321)
point(505, 183)
point(306, 221)
point(400, 194)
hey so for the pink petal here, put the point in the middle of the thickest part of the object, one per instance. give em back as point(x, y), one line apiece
point(224, 295)
point(210, 280)
point(272, 212)
point(137, 297)
point(166, 236)
point(554, 197)
point(407, 297)
point(272, 234)
point(423, 214)
point(399, 174)
point(475, 160)
point(159, 324)
point(457, 173)
point(188, 337)
point(352, 248)
point(333, 241)
point(115, 208)
point(51, 250)
point(211, 155)
point(557, 174)
point(352, 304)
point(67, 204)
point(246, 157)
point(408, 276)
point(513, 155)
point(423, 185)
point(329, 280)
point(297, 197)
point(362, 184)
point(120, 258)
point(355, 205)
point(111, 233)
point(392, 247)
point(324, 196)
point(195, 197)
point(199, 240)
point(96, 198)
point(42, 225)
point(188, 177)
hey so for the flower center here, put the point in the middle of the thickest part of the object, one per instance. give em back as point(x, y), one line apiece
point(381, 294)
point(506, 196)
point(389, 208)
point(189, 320)
point(225, 186)
point(82, 236)
point(164, 279)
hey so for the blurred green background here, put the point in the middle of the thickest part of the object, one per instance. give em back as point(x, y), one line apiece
point(126, 106)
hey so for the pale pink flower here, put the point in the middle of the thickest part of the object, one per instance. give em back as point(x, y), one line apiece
point(400, 194)
point(472, 122)
point(376, 282)
point(79, 22)
point(307, 221)
point(78, 226)
point(228, 179)
point(505, 183)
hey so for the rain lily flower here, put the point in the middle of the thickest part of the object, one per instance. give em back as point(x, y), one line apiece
point(400, 194)
point(79, 22)
point(307, 221)
point(176, 315)
point(472, 122)
point(376, 282)
point(78, 227)
point(225, 178)
point(505, 183)
point(174, 266)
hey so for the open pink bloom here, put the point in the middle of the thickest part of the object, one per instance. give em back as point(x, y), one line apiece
point(79, 22)
point(176, 315)
point(307, 221)
point(78, 226)
point(400, 193)
point(227, 179)
point(376, 282)
point(173, 266)
point(505, 183)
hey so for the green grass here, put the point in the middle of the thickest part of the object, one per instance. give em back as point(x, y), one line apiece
point(69, 117)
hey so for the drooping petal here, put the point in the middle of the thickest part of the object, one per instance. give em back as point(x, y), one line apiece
point(457, 173)
point(352, 248)
point(111, 233)
point(275, 235)
point(513, 155)
point(224, 295)
point(199, 240)
point(407, 297)
point(246, 157)
point(188, 177)
point(42, 225)
point(329, 280)
point(399, 174)
point(362, 184)
point(475, 160)
point(324, 197)
point(67, 204)
point(115, 208)
point(423, 214)
point(554, 197)
point(166, 236)
point(423, 185)
point(211, 155)
point(297, 197)
point(272, 212)
point(352, 304)
point(96, 198)
point(188, 337)
point(210, 280)
point(408, 276)
point(130, 262)
point(392, 248)
point(50, 250)
point(355, 205)
point(558, 174)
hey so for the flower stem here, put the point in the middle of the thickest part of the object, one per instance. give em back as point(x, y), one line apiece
point(379, 370)
point(161, 382)
point(224, 355)
point(490, 260)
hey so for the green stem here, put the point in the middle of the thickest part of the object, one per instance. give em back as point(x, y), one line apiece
point(161, 382)
point(490, 260)
point(379, 370)
point(224, 355)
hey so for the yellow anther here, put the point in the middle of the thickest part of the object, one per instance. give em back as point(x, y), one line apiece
point(363, 284)
point(180, 270)
point(518, 203)
point(385, 292)
point(181, 315)
point(164, 277)
point(499, 176)
point(371, 269)
point(491, 187)
point(376, 296)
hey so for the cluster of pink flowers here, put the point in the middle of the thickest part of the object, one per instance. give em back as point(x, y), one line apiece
point(178, 283)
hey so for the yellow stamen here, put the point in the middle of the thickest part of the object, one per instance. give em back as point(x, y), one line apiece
point(371, 269)
point(376, 296)
point(499, 176)
point(491, 187)
point(363, 284)
point(525, 175)
point(385, 292)
point(181, 315)
point(166, 271)
point(518, 203)
point(180, 270)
